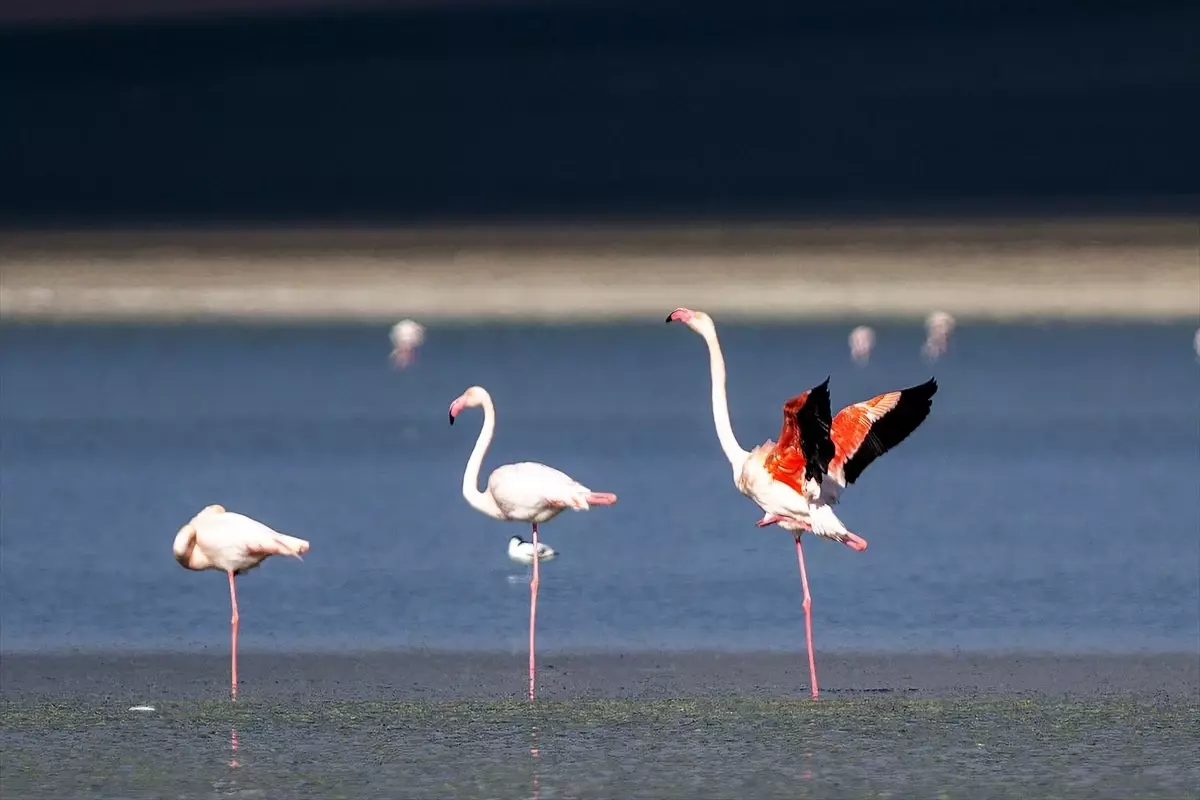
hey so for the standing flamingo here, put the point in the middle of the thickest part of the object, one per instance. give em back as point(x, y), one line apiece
point(790, 480)
point(938, 327)
point(222, 540)
point(785, 479)
point(406, 336)
point(862, 342)
point(522, 492)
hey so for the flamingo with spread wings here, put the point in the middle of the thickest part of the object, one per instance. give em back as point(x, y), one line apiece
point(797, 480)
point(524, 492)
point(859, 434)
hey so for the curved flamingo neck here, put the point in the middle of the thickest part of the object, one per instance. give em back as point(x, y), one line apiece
point(481, 501)
point(720, 402)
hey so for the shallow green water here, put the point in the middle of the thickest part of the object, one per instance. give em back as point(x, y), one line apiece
point(863, 747)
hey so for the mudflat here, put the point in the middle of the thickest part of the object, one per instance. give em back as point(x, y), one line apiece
point(708, 725)
point(431, 676)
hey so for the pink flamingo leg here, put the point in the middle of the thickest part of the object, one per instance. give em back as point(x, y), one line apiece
point(533, 593)
point(812, 661)
point(233, 637)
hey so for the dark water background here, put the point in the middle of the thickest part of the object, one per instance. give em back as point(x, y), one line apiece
point(1050, 502)
point(613, 108)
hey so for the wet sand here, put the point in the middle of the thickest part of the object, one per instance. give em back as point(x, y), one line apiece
point(441, 676)
point(1004, 269)
point(702, 725)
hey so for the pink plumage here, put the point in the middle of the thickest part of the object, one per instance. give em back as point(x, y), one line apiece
point(232, 543)
point(794, 511)
point(524, 492)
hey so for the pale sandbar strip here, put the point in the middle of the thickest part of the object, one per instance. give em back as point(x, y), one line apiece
point(1121, 269)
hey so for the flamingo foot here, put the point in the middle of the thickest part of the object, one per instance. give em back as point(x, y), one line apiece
point(601, 499)
point(855, 543)
point(787, 523)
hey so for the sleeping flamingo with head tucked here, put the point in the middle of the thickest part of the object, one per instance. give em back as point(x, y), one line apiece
point(797, 480)
point(522, 492)
point(234, 544)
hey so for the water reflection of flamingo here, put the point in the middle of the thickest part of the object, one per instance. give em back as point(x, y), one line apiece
point(234, 544)
point(535, 754)
point(523, 492)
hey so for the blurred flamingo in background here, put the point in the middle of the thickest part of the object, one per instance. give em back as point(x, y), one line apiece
point(407, 336)
point(797, 480)
point(232, 543)
point(938, 327)
point(862, 342)
point(522, 492)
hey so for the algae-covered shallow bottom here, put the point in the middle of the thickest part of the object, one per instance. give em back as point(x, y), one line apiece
point(705, 748)
point(642, 726)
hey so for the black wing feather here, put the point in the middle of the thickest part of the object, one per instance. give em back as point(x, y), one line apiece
point(814, 419)
point(893, 428)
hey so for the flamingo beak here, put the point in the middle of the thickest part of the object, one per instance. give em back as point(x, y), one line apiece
point(680, 315)
point(456, 407)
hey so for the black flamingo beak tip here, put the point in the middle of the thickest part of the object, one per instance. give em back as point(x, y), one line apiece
point(451, 419)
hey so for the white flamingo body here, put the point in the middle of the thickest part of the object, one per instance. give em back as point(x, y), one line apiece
point(862, 342)
point(779, 499)
point(234, 544)
point(531, 492)
point(523, 492)
point(938, 327)
point(773, 497)
point(407, 335)
point(522, 551)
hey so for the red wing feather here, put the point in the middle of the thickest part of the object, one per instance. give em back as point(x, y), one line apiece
point(864, 431)
point(853, 424)
point(787, 467)
point(804, 448)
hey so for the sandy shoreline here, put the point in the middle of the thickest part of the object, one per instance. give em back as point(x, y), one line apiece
point(432, 676)
point(1135, 269)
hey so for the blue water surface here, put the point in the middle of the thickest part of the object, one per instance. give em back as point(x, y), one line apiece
point(1051, 501)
